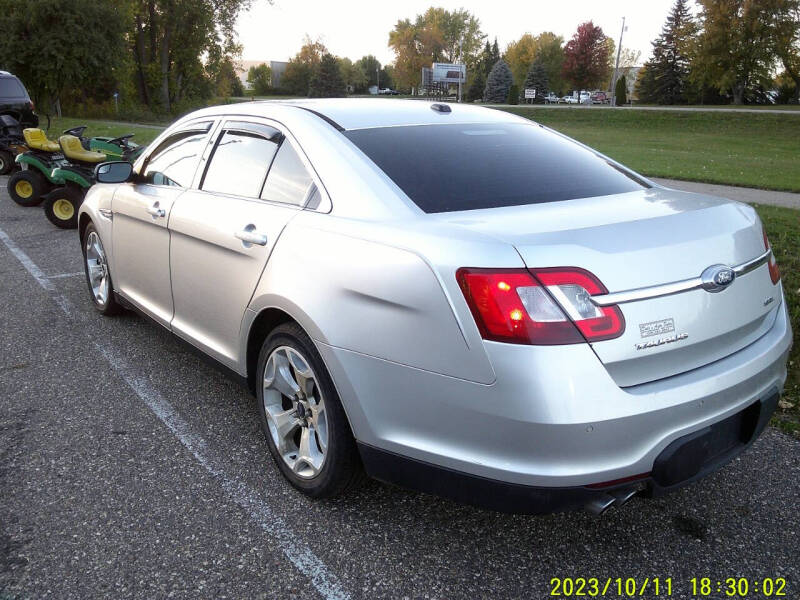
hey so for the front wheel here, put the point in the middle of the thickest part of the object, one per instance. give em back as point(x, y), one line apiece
point(98, 273)
point(6, 162)
point(61, 206)
point(27, 187)
point(302, 417)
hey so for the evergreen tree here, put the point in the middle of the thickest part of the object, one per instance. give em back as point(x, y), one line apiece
point(498, 83)
point(666, 76)
point(621, 91)
point(537, 80)
point(482, 68)
point(495, 55)
point(513, 94)
point(327, 82)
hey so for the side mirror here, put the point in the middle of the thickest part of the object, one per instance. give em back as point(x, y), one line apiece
point(113, 172)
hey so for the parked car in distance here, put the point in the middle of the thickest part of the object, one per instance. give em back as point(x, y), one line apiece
point(585, 97)
point(388, 92)
point(551, 98)
point(600, 97)
point(15, 101)
point(449, 298)
point(569, 100)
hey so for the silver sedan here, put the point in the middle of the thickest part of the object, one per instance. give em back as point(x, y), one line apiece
point(449, 298)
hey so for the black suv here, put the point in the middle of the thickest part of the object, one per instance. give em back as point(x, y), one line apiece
point(15, 101)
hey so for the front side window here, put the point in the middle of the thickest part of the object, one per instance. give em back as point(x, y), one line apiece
point(240, 163)
point(288, 181)
point(453, 167)
point(174, 161)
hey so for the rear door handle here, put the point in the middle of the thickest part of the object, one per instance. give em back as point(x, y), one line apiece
point(156, 212)
point(249, 235)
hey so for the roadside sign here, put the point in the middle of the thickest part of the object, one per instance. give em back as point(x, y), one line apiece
point(449, 73)
point(530, 93)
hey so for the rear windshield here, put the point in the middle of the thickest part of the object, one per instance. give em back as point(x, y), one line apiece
point(453, 167)
point(10, 87)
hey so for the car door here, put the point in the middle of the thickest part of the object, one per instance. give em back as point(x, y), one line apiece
point(141, 211)
point(223, 232)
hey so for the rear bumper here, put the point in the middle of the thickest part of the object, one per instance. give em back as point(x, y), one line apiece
point(554, 418)
point(685, 460)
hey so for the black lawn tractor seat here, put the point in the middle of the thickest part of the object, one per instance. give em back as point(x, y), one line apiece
point(73, 149)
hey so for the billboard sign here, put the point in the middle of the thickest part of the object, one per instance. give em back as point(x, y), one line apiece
point(449, 73)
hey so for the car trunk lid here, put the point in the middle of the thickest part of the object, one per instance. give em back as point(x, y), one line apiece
point(638, 243)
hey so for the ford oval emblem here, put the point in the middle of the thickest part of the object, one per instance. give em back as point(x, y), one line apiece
point(717, 277)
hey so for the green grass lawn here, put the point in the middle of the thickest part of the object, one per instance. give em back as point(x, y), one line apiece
point(746, 149)
point(783, 227)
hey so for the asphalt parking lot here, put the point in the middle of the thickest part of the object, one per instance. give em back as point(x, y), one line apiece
point(130, 468)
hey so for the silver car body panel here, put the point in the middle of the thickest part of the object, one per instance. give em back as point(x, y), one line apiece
point(371, 278)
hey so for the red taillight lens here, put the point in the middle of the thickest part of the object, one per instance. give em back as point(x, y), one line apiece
point(572, 288)
point(542, 307)
point(774, 271)
point(30, 103)
point(498, 299)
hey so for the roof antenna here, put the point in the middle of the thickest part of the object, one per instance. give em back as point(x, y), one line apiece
point(441, 108)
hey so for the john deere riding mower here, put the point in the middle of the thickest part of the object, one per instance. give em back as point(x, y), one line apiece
point(62, 203)
point(28, 186)
point(118, 148)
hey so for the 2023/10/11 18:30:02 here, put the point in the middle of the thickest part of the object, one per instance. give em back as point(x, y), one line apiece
point(699, 587)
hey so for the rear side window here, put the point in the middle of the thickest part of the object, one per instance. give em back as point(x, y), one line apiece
point(11, 87)
point(240, 163)
point(454, 167)
point(288, 180)
point(175, 160)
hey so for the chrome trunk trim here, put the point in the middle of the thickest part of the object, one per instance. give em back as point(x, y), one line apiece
point(676, 287)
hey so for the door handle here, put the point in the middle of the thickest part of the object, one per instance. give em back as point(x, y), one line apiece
point(156, 212)
point(249, 235)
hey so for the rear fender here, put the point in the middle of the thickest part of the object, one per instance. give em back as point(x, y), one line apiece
point(31, 162)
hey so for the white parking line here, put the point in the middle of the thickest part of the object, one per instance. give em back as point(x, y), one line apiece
point(65, 275)
point(301, 556)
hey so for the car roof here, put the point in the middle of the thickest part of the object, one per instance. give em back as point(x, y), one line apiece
point(363, 113)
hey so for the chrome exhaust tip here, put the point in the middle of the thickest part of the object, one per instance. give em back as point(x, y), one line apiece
point(623, 496)
point(597, 506)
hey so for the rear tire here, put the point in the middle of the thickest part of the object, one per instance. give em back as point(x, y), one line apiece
point(61, 206)
point(98, 273)
point(319, 430)
point(27, 187)
point(6, 162)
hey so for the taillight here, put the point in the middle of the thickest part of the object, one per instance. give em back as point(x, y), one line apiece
point(774, 271)
point(572, 288)
point(30, 103)
point(541, 307)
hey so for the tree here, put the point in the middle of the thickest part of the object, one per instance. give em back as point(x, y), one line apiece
point(545, 47)
point(786, 39)
point(374, 73)
point(537, 80)
point(260, 79)
point(296, 79)
point(434, 36)
point(353, 77)
point(666, 79)
point(498, 83)
point(58, 45)
point(326, 82)
point(587, 57)
point(513, 94)
point(170, 38)
point(734, 52)
point(621, 91)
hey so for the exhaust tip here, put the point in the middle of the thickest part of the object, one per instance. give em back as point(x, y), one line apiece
point(622, 497)
point(597, 506)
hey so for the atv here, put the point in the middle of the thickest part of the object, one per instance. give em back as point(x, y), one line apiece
point(11, 143)
point(62, 203)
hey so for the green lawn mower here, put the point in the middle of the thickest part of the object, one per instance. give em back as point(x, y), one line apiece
point(28, 186)
point(61, 204)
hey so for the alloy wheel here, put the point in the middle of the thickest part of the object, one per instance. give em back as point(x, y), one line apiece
point(295, 411)
point(97, 268)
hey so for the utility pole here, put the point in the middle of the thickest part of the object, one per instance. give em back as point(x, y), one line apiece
point(616, 67)
point(460, 63)
point(378, 79)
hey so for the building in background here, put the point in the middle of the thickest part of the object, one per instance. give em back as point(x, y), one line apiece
point(278, 68)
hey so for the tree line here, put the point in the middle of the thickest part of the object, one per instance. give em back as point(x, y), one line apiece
point(168, 56)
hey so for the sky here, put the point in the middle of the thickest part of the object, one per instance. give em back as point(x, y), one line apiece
point(354, 28)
